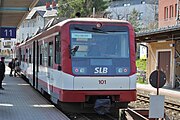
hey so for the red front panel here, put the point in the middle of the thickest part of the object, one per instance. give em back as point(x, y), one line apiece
point(65, 44)
point(79, 96)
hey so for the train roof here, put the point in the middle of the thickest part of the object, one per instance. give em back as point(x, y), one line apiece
point(49, 27)
point(91, 20)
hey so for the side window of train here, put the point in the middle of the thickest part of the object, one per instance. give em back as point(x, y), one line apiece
point(40, 54)
point(22, 54)
point(26, 55)
point(50, 57)
point(57, 49)
point(30, 52)
point(43, 54)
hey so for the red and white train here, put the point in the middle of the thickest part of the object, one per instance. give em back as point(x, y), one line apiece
point(81, 60)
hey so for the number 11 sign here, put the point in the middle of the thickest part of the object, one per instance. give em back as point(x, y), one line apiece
point(7, 32)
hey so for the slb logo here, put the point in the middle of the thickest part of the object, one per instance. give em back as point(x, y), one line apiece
point(103, 70)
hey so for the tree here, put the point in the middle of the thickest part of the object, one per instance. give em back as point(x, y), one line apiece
point(154, 9)
point(134, 20)
point(118, 13)
point(68, 8)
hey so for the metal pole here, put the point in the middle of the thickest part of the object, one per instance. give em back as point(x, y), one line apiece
point(158, 81)
point(158, 78)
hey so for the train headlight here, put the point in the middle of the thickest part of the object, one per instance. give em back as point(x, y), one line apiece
point(122, 70)
point(119, 70)
point(82, 70)
point(79, 70)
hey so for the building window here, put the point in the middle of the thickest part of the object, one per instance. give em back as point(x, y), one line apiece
point(140, 16)
point(127, 16)
point(28, 24)
point(128, 4)
point(22, 36)
point(33, 24)
point(143, 2)
point(175, 10)
point(171, 11)
point(165, 13)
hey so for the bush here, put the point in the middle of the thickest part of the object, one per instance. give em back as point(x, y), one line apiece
point(141, 71)
point(141, 64)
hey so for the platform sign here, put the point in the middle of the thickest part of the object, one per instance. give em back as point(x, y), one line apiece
point(143, 52)
point(7, 32)
point(153, 79)
point(156, 109)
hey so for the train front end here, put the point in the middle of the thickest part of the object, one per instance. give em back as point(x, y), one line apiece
point(102, 63)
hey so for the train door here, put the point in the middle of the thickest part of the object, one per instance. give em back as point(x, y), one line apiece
point(50, 66)
point(37, 64)
point(34, 63)
point(164, 63)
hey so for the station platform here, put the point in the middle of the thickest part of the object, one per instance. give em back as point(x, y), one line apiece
point(19, 101)
point(166, 91)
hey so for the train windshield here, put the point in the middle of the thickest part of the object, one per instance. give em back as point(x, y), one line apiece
point(100, 51)
point(95, 44)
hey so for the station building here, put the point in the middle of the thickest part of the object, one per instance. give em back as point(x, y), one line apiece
point(147, 11)
point(164, 43)
point(36, 20)
point(11, 16)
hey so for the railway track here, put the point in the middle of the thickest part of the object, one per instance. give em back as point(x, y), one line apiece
point(130, 114)
point(90, 116)
point(168, 104)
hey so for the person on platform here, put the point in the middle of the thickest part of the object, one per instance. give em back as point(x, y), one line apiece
point(2, 72)
point(11, 65)
point(16, 67)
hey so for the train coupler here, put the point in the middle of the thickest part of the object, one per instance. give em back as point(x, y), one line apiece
point(102, 106)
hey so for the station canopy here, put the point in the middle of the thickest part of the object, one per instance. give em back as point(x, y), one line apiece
point(13, 12)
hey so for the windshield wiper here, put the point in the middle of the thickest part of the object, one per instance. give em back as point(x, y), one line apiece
point(96, 30)
point(74, 50)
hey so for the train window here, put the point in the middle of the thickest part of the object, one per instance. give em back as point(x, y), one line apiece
point(27, 55)
point(22, 54)
point(45, 54)
point(30, 52)
point(40, 59)
point(50, 59)
point(40, 54)
point(24, 58)
point(57, 50)
point(29, 58)
point(96, 44)
point(20, 57)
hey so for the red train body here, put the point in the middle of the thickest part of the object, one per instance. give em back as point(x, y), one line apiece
point(80, 60)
